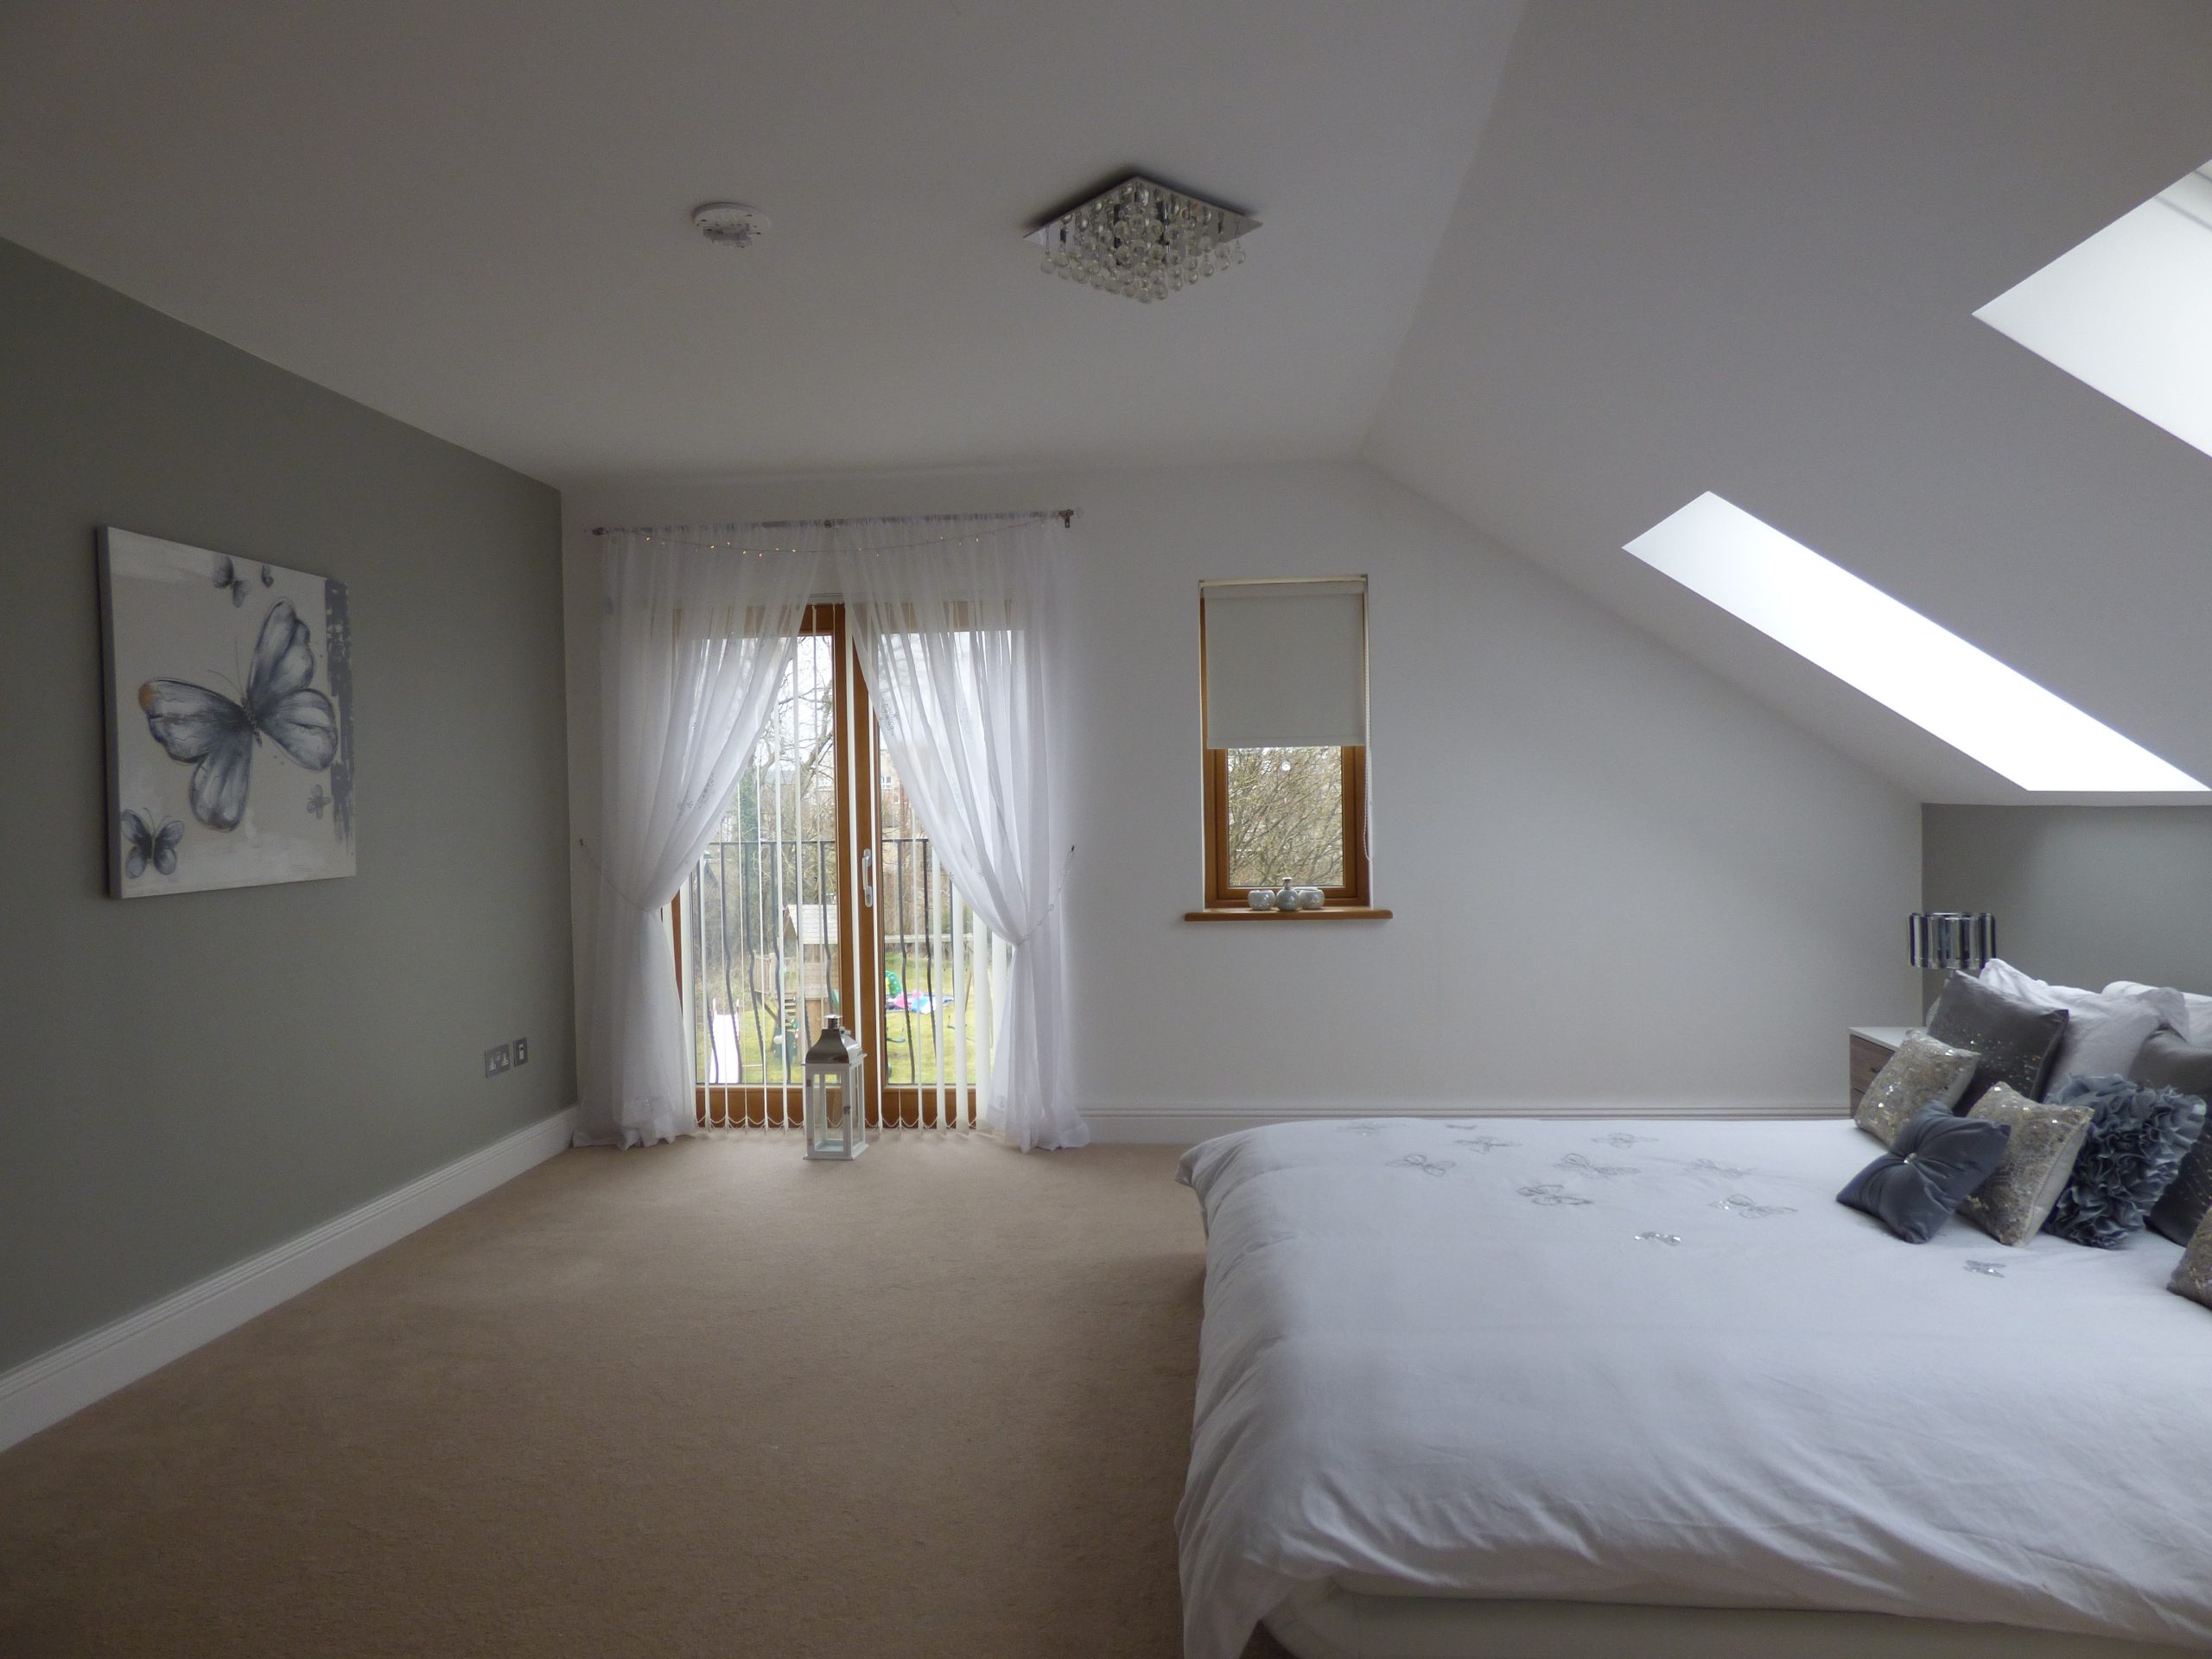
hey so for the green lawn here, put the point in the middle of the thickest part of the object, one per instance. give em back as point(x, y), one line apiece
point(910, 1048)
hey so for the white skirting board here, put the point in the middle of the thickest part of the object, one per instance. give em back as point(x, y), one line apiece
point(42, 1391)
point(1186, 1125)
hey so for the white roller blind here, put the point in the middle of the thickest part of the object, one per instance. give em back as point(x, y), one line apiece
point(1285, 663)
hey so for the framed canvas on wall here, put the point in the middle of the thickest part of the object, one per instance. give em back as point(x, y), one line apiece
point(230, 720)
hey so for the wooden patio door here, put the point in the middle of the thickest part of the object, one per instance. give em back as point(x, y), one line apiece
point(822, 894)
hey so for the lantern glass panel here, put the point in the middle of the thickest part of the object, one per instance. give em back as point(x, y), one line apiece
point(833, 1099)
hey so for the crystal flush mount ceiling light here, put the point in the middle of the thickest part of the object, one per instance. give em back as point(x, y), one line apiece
point(1142, 240)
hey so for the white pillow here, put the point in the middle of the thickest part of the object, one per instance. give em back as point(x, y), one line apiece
point(2186, 1012)
point(2103, 1029)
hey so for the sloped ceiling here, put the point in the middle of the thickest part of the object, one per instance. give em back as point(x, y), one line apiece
point(1697, 245)
point(1736, 246)
point(474, 214)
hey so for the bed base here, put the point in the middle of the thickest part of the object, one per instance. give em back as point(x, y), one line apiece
point(1326, 1621)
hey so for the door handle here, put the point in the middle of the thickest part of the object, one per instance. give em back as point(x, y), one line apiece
point(867, 877)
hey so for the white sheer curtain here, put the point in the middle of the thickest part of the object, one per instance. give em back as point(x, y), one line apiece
point(955, 621)
point(693, 640)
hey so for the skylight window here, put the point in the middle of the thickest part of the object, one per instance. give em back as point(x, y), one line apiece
point(2130, 310)
point(1897, 657)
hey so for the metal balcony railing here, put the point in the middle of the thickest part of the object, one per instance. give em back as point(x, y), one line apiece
point(765, 966)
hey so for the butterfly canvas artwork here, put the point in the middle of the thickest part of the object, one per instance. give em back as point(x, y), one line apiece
point(230, 720)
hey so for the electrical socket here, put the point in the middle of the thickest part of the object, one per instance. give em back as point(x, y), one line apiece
point(522, 1051)
point(496, 1060)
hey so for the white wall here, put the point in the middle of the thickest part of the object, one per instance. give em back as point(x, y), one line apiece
point(1620, 882)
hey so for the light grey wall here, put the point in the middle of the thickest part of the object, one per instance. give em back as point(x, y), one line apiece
point(2082, 895)
point(1618, 881)
point(187, 1080)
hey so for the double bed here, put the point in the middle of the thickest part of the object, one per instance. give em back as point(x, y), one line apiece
point(1517, 1386)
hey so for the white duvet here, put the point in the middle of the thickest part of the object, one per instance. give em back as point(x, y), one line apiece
point(1657, 1362)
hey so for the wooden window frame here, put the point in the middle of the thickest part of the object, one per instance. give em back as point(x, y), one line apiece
point(1350, 893)
point(1352, 899)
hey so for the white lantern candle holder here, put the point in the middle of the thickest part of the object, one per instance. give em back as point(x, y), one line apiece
point(836, 1099)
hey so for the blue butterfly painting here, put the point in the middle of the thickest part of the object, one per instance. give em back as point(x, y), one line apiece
point(227, 576)
point(229, 695)
point(218, 735)
point(147, 845)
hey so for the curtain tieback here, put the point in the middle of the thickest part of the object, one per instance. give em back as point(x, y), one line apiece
point(623, 893)
point(1059, 887)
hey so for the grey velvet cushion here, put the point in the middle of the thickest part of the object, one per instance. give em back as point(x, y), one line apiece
point(2012, 1205)
point(2017, 1041)
point(1920, 1072)
point(1936, 1159)
point(2193, 1278)
point(2169, 1061)
point(2137, 1140)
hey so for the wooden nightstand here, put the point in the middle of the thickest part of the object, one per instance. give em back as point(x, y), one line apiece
point(1870, 1048)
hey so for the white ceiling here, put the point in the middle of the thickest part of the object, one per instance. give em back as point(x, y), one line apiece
point(474, 216)
point(1736, 246)
point(1658, 250)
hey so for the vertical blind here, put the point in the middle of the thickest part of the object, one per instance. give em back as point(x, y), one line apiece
point(1285, 663)
point(940, 1026)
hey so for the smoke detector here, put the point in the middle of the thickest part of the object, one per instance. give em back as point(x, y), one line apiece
point(729, 224)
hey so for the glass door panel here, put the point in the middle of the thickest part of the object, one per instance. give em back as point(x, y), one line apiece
point(765, 919)
point(811, 889)
point(943, 972)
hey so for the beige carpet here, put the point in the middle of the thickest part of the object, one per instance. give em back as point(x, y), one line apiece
point(706, 1399)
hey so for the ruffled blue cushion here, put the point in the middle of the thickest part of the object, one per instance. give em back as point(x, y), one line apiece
point(2134, 1150)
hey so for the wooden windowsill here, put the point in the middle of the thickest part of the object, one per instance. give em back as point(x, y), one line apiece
point(1326, 914)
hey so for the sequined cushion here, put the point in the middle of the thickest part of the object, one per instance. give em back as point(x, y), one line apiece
point(2193, 1278)
point(2016, 1041)
point(1938, 1159)
point(1922, 1071)
point(2105, 1030)
point(2013, 1204)
point(2136, 1143)
point(2167, 1061)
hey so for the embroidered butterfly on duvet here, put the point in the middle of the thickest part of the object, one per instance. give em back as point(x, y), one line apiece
point(217, 736)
